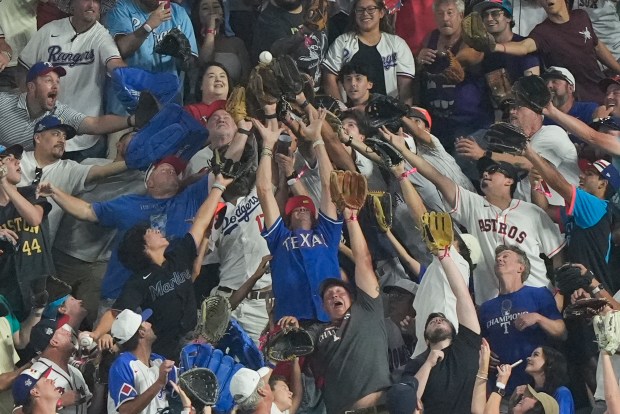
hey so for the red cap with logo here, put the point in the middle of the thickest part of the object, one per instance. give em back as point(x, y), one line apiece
point(299, 201)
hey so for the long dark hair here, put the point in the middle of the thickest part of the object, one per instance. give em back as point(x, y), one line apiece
point(195, 19)
point(555, 370)
point(384, 25)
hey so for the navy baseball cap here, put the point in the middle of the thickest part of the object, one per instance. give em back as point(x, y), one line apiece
point(15, 150)
point(606, 170)
point(489, 4)
point(43, 68)
point(51, 122)
point(25, 382)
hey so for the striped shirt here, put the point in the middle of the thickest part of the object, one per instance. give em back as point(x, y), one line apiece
point(16, 125)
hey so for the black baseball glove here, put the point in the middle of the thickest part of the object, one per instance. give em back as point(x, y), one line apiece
point(200, 385)
point(531, 92)
point(233, 169)
point(505, 137)
point(390, 156)
point(287, 345)
point(38, 293)
point(176, 44)
point(386, 111)
point(568, 279)
point(287, 74)
point(585, 308)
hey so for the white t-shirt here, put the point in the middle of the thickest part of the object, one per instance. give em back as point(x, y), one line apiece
point(238, 245)
point(435, 295)
point(526, 14)
point(71, 380)
point(522, 224)
point(552, 143)
point(67, 175)
point(200, 160)
point(84, 57)
point(615, 362)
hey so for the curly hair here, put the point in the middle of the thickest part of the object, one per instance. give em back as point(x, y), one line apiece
point(132, 249)
point(555, 370)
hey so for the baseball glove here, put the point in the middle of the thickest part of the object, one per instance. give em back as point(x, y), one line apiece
point(147, 108)
point(584, 308)
point(333, 105)
point(505, 137)
point(500, 85)
point(200, 385)
point(287, 345)
point(568, 279)
point(348, 189)
point(475, 35)
point(214, 317)
point(316, 15)
point(385, 110)
point(229, 168)
point(437, 231)
point(379, 203)
point(531, 92)
point(447, 68)
point(261, 85)
point(38, 293)
point(176, 44)
point(390, 156)
point(290, 81)
point(607, 330)
point(235, 104)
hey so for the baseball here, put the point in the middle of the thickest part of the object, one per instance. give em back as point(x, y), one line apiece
point(265, 57)
point(86, 341)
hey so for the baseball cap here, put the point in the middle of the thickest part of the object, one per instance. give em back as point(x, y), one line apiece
point(550, 405)
point(487, 4)
point(51, 122)
point(403, 284)
point(299, 201)
point(557, 72)
point(127, 323)
point(43, 332)
point(43, 68)
point(472, 243)
point(402, 398)
point(604, 83)
point(25, 382)
point(15, 150)
point(505, 168)
point(605, 169)
point(244, 383)
point(420, 113)
point(177, 163)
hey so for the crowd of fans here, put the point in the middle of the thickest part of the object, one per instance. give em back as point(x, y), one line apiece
point(104, 262)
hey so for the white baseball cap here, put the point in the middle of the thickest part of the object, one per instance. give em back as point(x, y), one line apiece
point(244, 383)
point(127, 324)
point(557, 72)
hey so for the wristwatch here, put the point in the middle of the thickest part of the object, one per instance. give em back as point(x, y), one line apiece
point(500, 391)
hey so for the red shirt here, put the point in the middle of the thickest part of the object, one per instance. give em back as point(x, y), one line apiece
point(202, 111)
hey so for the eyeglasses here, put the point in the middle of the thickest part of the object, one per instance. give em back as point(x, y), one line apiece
point(495, 14)
point(370, 10)
point(38, 173)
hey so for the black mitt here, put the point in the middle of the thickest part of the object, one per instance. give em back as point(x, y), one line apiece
point(176, 44)
point(316, 14)
point(585, 308)
point(386, 111)
point(38, 293)
point(288, 77)
point(233, 169)
point(531, 92)
point(287, 345)
point(568, 279)
point(390, 156)
point(200, 385)
point(505, 137)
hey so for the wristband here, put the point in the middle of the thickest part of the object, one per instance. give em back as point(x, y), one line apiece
point(407, 173)
point(304, 104)
point(147, 28)
point(266, 152)
point(352, 218)
point(482, 377)
point(271, 365)
point(488, 154)
point(500, 385)
point(293, 176)
point(211, 31)
point(500, 391)
point(271, 116)
point(317, 143)
point(243, 131)
point(597, 289)
point(219, 186)
point(292, 181)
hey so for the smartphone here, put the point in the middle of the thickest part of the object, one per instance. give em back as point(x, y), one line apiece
point(284, 143)
point(166, 3)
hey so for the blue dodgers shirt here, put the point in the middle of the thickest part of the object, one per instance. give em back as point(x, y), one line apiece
point(302, 259)
point(172, 216)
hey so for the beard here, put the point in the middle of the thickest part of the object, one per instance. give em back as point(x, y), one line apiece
point(288, 5)
point(438, 335)
point(558, 101)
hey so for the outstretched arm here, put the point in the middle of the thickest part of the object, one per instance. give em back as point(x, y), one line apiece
point(522, 48)
point(264, 174)
point(79, 209)
point(606, 142)
point(465, 309)
point(205, 213)
point(33, 214)
point(550, 175)
point(365, 277)
point(446, 186)
point(612, 390)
